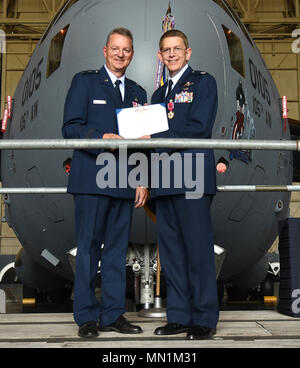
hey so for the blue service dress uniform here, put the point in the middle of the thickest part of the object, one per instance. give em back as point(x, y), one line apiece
point(184, 227)
point(102, 215)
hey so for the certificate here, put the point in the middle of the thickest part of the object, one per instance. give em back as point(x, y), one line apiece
point(134, 122)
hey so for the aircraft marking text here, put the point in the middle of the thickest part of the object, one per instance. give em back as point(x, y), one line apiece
point(32, 83)
point(259, 82)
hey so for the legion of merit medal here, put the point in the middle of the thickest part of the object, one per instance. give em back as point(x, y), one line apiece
point(171, 108)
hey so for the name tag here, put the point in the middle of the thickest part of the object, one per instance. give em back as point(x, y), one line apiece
point(99, 102)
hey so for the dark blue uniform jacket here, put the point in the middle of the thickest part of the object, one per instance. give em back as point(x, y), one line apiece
point(195, 105)
point(89, 113)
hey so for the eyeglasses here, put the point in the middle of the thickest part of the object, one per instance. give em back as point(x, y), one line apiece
point(176, 51)
point(116, 50)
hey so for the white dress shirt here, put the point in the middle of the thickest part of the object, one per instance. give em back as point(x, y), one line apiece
point(113, 78)
point(176, 78)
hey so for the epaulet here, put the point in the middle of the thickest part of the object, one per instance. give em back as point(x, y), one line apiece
point(198, 72)
point(89, 72)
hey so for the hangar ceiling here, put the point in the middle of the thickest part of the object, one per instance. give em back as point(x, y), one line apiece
point(27, 19)
point(268, 18)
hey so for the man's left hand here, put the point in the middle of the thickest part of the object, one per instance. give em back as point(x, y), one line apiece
point(141, 195)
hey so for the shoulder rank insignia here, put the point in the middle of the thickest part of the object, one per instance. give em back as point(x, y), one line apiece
point(198, 72)
point(89, 71)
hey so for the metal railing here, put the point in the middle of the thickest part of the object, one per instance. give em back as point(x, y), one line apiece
point(31, 144)
point(220, 188)
point(219, 144)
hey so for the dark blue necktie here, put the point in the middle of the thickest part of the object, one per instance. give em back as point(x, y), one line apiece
point(170, 84)
point(117, 87)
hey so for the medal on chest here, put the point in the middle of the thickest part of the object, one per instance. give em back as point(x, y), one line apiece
point(171, 109)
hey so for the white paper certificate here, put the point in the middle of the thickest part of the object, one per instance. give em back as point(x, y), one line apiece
point(134, 122)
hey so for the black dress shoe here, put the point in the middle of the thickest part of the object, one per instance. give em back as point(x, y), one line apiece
point(200, 333)
point(123, 326)
point(88, 330)
point(171, 329)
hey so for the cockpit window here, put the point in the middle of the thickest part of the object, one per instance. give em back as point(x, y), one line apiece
point(235, 51)
point(225, 6)
point(55, 51)
point(59, 14)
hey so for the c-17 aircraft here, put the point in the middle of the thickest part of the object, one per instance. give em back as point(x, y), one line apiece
point(245, 224)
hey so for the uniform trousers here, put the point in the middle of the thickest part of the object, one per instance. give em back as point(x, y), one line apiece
point(186, 249)
point(101, 219)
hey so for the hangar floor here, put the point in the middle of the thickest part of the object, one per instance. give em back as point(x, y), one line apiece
point(236, 329)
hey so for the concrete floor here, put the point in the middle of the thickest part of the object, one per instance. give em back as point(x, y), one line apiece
point(236, 329)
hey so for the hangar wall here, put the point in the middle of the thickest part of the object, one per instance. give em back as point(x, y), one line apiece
point(271, 23)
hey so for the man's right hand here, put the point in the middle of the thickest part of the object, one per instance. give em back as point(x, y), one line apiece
point(111, 136)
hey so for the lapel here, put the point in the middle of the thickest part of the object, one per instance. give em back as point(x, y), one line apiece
point(178, 86)
point(163, 91)
point(129, 92)
point(159, 94)
point(108, 87)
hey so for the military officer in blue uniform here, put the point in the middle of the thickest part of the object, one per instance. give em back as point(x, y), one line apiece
point(102, 214)
point(185, 236)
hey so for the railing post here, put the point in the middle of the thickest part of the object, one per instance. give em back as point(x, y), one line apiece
point(2, 301)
